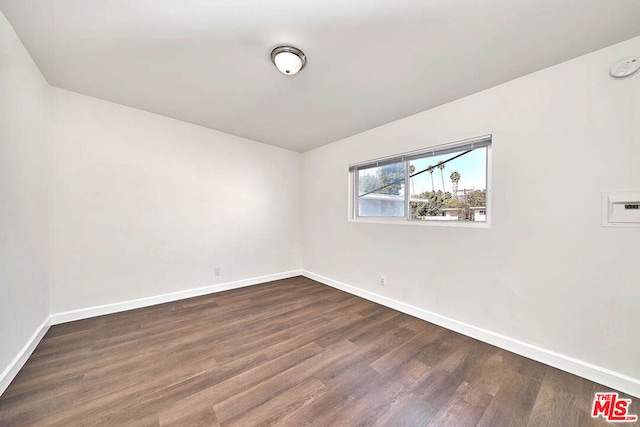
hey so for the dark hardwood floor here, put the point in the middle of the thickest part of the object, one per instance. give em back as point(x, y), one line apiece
point(291, 352)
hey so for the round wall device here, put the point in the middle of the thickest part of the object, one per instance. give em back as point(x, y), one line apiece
point(626, 67)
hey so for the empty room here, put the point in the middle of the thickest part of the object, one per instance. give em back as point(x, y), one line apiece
point(338, 213)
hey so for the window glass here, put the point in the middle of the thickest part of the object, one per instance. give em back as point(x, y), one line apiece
point(381, 191)
point(449, 190)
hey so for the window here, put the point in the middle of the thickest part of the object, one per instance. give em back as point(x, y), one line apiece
point(444, 184)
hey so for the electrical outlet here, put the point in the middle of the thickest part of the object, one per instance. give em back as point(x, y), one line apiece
point(218, 271)
point(383, 281)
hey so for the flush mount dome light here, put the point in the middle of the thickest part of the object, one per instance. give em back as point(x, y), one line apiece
point(288, 60)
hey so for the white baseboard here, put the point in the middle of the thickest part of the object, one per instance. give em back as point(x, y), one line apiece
point(18, 362)
point(85, 313)
point(569, 364)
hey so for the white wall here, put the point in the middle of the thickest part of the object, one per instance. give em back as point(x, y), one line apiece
point(561, 282)
point(24, 292)
point(144, 205)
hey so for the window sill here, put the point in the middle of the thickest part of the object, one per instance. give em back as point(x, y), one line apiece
point(403, 221)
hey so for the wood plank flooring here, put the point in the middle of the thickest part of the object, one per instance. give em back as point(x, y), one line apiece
point(292, 352)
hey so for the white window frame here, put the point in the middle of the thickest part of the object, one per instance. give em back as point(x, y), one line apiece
point(482, 141)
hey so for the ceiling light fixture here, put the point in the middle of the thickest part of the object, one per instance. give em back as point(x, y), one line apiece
point(288, 60)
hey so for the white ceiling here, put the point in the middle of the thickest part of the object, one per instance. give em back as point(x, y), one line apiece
point(369, 61)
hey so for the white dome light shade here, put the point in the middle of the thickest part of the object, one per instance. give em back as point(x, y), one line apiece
point(288, 63)
point(288, 60)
